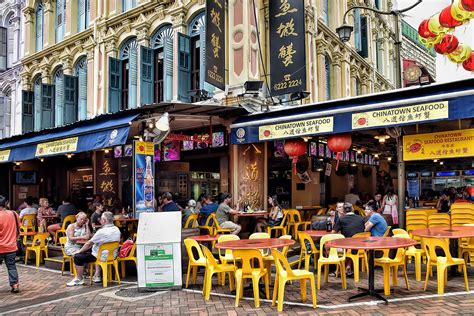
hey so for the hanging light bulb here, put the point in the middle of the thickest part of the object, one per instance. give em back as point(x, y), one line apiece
point(69, 156)
point(140, 139)
point(42, 159)
point(436, 160)
point(441, 163)
point(376, 156)
point(389, 158)
point(106, 150)
point(151, 124)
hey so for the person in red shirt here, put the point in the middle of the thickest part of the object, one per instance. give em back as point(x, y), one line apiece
point(9, 223)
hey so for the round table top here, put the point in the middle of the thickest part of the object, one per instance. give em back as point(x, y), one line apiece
point(242, 214)
point(445, 232)
point(126, 219)
point(28, 233)
point(204, 237)
point(317, 233)
point(308, 208)
point(255, 243)
point(371, 243)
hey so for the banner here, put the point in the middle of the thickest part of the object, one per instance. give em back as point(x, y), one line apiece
point(106, 181)
point(296, 128)
point(215, 43)
point(451, 144)
point(287, 46)
point(66, 145)
point(4, 155)
point(403, 115)
point(144, 177)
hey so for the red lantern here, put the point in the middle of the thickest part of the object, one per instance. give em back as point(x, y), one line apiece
point(339, 143)
point(468, 5)
point(448, 44)
point(295, 148)
point(468, 64)
point(447, 20)
point(424, 31)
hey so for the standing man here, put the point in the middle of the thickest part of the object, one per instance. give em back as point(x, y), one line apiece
point(224, 211)
point(9, 230)
point(108, 233)
point(64, 210)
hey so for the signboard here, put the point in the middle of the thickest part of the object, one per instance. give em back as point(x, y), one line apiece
point(287, 46)
point(451, 144)
point(4, 155)
point(215, 43)
point(159, 265)
point(402, 115)
point(66, 145)
point(144, 177)
point(296, 128)
point(107, 177)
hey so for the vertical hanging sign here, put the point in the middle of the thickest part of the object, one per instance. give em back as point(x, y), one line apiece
point(287, 46)
point(144, 177)
point(215, 43)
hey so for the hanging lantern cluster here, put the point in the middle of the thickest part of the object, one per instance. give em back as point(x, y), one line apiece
point(433, 32)
point(339, 143)
point(295, 148)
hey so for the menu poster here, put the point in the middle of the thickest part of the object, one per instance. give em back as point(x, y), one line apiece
point(353, 156)
point(171, 150)
point(313, 149)
point(188, 145)
point(321, 150)
point(279, 149)
point(159, 267)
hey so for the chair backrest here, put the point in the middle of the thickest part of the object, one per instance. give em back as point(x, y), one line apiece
point(191, 246)
point(68, 220)
point(62, 243)
point(211, 261)
point(439, 219)
point(259, 236)
point(358, 210)
point(304, 237)
point(322, 211)
point(40, 239)
point(364, 234)
point(387, 231)
point(430, 245)
point(284, 250)
point(282, 266)
point(285, 219)
point(223, 238)
point(28, 220)
point(332, 251)
point(211, 217)
point(110, 248)
point(398, 231)
point(192, 220)
point(248, 256)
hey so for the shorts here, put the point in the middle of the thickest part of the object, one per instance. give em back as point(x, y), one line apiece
point(230, 225)
point(83, 258)
point(271, 222)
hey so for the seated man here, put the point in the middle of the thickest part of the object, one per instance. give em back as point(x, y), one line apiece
point(376, 224)
point(167, 203)
point(208, 207)
point(29, 209)
point(108, 233)
point(224, 211)
point(349, 223)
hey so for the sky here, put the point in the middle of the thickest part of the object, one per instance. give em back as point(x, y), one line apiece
point(446, 70)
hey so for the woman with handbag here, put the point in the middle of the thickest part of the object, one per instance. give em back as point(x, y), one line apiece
point(9, 232)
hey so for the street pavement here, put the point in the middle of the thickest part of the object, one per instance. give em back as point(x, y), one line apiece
point(44, 292)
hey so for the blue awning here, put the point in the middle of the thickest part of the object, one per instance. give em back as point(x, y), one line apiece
point(96, 134)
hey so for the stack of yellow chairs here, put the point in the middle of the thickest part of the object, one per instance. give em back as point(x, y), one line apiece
point(439, 219)
point(296, 224)
point(280, 230)
point(412, 251)
point(357, 256)
point(462, 213)
point(333, 258)
point(416, 219)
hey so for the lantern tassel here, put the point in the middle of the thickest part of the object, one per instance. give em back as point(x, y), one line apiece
point(338, 156)
point(295, 160)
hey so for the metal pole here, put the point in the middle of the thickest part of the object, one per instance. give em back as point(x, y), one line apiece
point(398, 55)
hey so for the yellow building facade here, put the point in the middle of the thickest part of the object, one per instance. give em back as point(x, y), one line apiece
point(83, 58)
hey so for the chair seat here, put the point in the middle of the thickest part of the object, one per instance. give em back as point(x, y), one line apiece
point(330, 260)
point(201, 261)
point(387, 260)
point(456, 261)
point(255, 272)
point(227, 257)
point(224, 267)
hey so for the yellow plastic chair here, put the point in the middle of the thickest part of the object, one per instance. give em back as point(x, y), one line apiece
point(389, 264)
point(333, 258)
point(209, 225)
point(191, 222)
point(193, 263)
point(322, 211)
point(284, 250)
point(358, 210)
point(280, 229)
point(132, 256)
point(411, 252)
point(247, 272)
point(295, 223)
point(304, 253)
point(466, 248)
point(37, 246)
point(213, 267)
point(439, 219)
point(66, 257)
point(226, 256)
point(28, 223)
point(284, 273)
point(357, 256)
point(442, 263)
point(387, 231)
point(107, 265)
point(67, 220)
point(219, 230)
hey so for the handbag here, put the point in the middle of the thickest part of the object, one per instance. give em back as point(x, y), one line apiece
point(20, 252)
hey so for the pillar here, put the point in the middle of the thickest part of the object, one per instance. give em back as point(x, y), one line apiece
point(29, 26)
point(49, 30)
point(336, 76)
point(71, 17)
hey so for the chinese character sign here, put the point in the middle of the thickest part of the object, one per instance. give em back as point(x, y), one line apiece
point(287, 46)
point(106, 181)
point(250, 177)
point(144, 177)
point(215, 43)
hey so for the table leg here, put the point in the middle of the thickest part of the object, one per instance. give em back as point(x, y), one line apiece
point(371, 291)
point(453, 248)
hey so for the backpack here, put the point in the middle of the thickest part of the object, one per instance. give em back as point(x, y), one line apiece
point(126, 248)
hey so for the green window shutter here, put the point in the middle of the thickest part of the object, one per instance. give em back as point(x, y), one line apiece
point(184, 67)
point(70, 99)
point(27, 111)
point(133, 77)
point(59, 99)
point(37, 107)
point(115, 84)
point(146, 78)
point(168, 68)
point(47, 101)
point(81, 15)
point(82, 92)
point(364, 52)
point(39, 26)
point(357, 37)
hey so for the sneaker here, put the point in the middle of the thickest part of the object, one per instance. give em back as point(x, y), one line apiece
point(15, 288)
point(75, 282)
point(97, 279)
point(332, 274)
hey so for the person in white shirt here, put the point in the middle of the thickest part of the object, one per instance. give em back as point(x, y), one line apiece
point(352, 197)
point(29, 209)
point(108, 233)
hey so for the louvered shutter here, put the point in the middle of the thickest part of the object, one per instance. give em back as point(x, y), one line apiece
point(70, 99)
point(59, 100)
point(47, 101)
point(39, 28)
point(184, 67)
point(37, 107)
point(81, 15)
point(115, 84)
point(133, 78)
point(363, 36)
point(357, 33)
point(3, 48)
point(82, 93)
point(146, 75)
point(168, 69)
point(27, 111)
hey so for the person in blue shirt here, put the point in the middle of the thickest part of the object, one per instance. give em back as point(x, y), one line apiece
point(376, 224)
point(208, 207)
point(168, 205)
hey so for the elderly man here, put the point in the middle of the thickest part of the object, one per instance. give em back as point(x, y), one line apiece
point(108, 233)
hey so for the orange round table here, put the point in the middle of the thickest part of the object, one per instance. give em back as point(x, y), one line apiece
point(204, 238)
point(263, 243)
point(253, 214)
point(371, 244)
point(453, 232)
point(317, 233)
